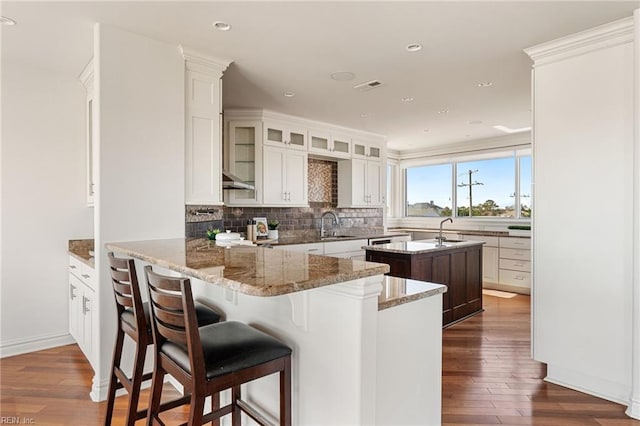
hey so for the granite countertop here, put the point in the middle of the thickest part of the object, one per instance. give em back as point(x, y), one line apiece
point(255, 271)
point(506, 233)
point(421, 246)
point(398, 291)
point(343, 236)
point(80, 249)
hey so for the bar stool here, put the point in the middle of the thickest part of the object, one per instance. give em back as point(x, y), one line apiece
point(210, 359)
point(134, 321)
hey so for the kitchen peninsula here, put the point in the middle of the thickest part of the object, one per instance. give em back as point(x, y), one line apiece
point(352, 329)
point(456, 264)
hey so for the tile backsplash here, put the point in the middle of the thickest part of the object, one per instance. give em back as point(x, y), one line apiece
point(292, 219)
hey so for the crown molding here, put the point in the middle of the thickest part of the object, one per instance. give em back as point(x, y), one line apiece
point(264, 114)
point(199, 62)
point(514, 141)
point(603, 36)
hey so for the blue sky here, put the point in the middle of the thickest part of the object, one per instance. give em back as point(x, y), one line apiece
point(497, 176)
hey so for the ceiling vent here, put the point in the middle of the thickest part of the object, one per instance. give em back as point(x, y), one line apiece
point(366, 86)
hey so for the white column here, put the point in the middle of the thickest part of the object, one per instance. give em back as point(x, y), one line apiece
point(634, 399)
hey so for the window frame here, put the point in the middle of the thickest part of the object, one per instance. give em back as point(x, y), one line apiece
point(516, 153)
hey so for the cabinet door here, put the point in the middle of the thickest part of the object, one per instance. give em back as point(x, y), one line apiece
point(244, 160)
point(75, 314)
point(87, 323)
point(295, 177)
point(490, 264)
point(359, 183)
point(281, 134)
point(319, 143)
point(274, 175)
point(203, 151)
point(340, 146)
point(374, 183)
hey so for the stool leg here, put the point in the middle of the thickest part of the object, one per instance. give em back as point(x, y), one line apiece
point(136, 383)
point(113, 381)
point(156, 392)
point(235, 414)
point(196, 409)
point(215, 404)
point(285, 393)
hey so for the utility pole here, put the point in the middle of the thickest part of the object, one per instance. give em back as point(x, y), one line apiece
point(470, 185)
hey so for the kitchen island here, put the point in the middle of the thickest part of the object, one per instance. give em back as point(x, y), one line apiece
point(349, 357)
point(458, 265)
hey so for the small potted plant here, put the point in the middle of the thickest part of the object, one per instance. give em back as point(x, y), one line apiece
point(273, 229)
point(211, 233)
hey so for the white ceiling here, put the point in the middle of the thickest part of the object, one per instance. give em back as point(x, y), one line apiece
point(295, 46)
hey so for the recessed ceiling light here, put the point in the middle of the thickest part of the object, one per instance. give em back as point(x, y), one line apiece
point(342, 76)
point(289, 94)
point(414, 47)
point(7, 21)
point(426, 130)
point(364, 115)
point(468, 136)
point(510, 130)
point(221, 26)
point(407, 99)
point(475, 122)
point(443, 111)
point(485, 84)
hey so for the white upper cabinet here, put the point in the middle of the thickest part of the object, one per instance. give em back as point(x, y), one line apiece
point(360, 183)
point(285, 177)
point(282, 134)
point(203, 130)
point(244, 159)
point(329, 145)
point(368, 150)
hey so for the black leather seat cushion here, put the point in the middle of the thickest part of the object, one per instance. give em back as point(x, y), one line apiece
point(229, 346)
point(205, 315)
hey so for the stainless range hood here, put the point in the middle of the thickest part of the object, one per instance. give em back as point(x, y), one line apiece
point(230, 181)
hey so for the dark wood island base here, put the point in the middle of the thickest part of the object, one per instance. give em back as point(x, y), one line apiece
point(458, 266)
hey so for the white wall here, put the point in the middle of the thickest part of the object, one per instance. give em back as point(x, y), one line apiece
point(139, 85)
point(583, 187)
point(43, 202)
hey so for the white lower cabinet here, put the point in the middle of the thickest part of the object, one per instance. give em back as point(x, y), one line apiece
point(490, 264)
point(515, 263)
point(81, 306)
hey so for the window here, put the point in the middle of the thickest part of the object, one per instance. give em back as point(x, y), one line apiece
point(525, 186)
point(429, 191)
point(488, 185)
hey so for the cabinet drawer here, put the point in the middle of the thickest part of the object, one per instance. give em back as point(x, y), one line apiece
point(515, 243)
point(311, 248)
point(515, 278)
point(515, 265)
point(488, 241)
point(88, 276)
point(517, 254)
point(334, 247)
point(75, 266)
point(353, 255)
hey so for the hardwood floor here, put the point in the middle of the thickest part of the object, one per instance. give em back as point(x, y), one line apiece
point(488, 378)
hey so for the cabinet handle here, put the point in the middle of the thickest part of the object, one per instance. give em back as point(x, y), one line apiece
point(72, 266)
point(84, 305)
point(85, 276)
point(312, 249)
point(519, 278)
point(518, 264)
point(71, 291)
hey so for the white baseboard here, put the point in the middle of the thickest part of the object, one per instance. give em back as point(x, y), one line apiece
point(600, 388)
point(33, 344)
point(633, 410)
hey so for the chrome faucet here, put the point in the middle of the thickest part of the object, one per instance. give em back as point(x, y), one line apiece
point(335, 216)
point(440, 235)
